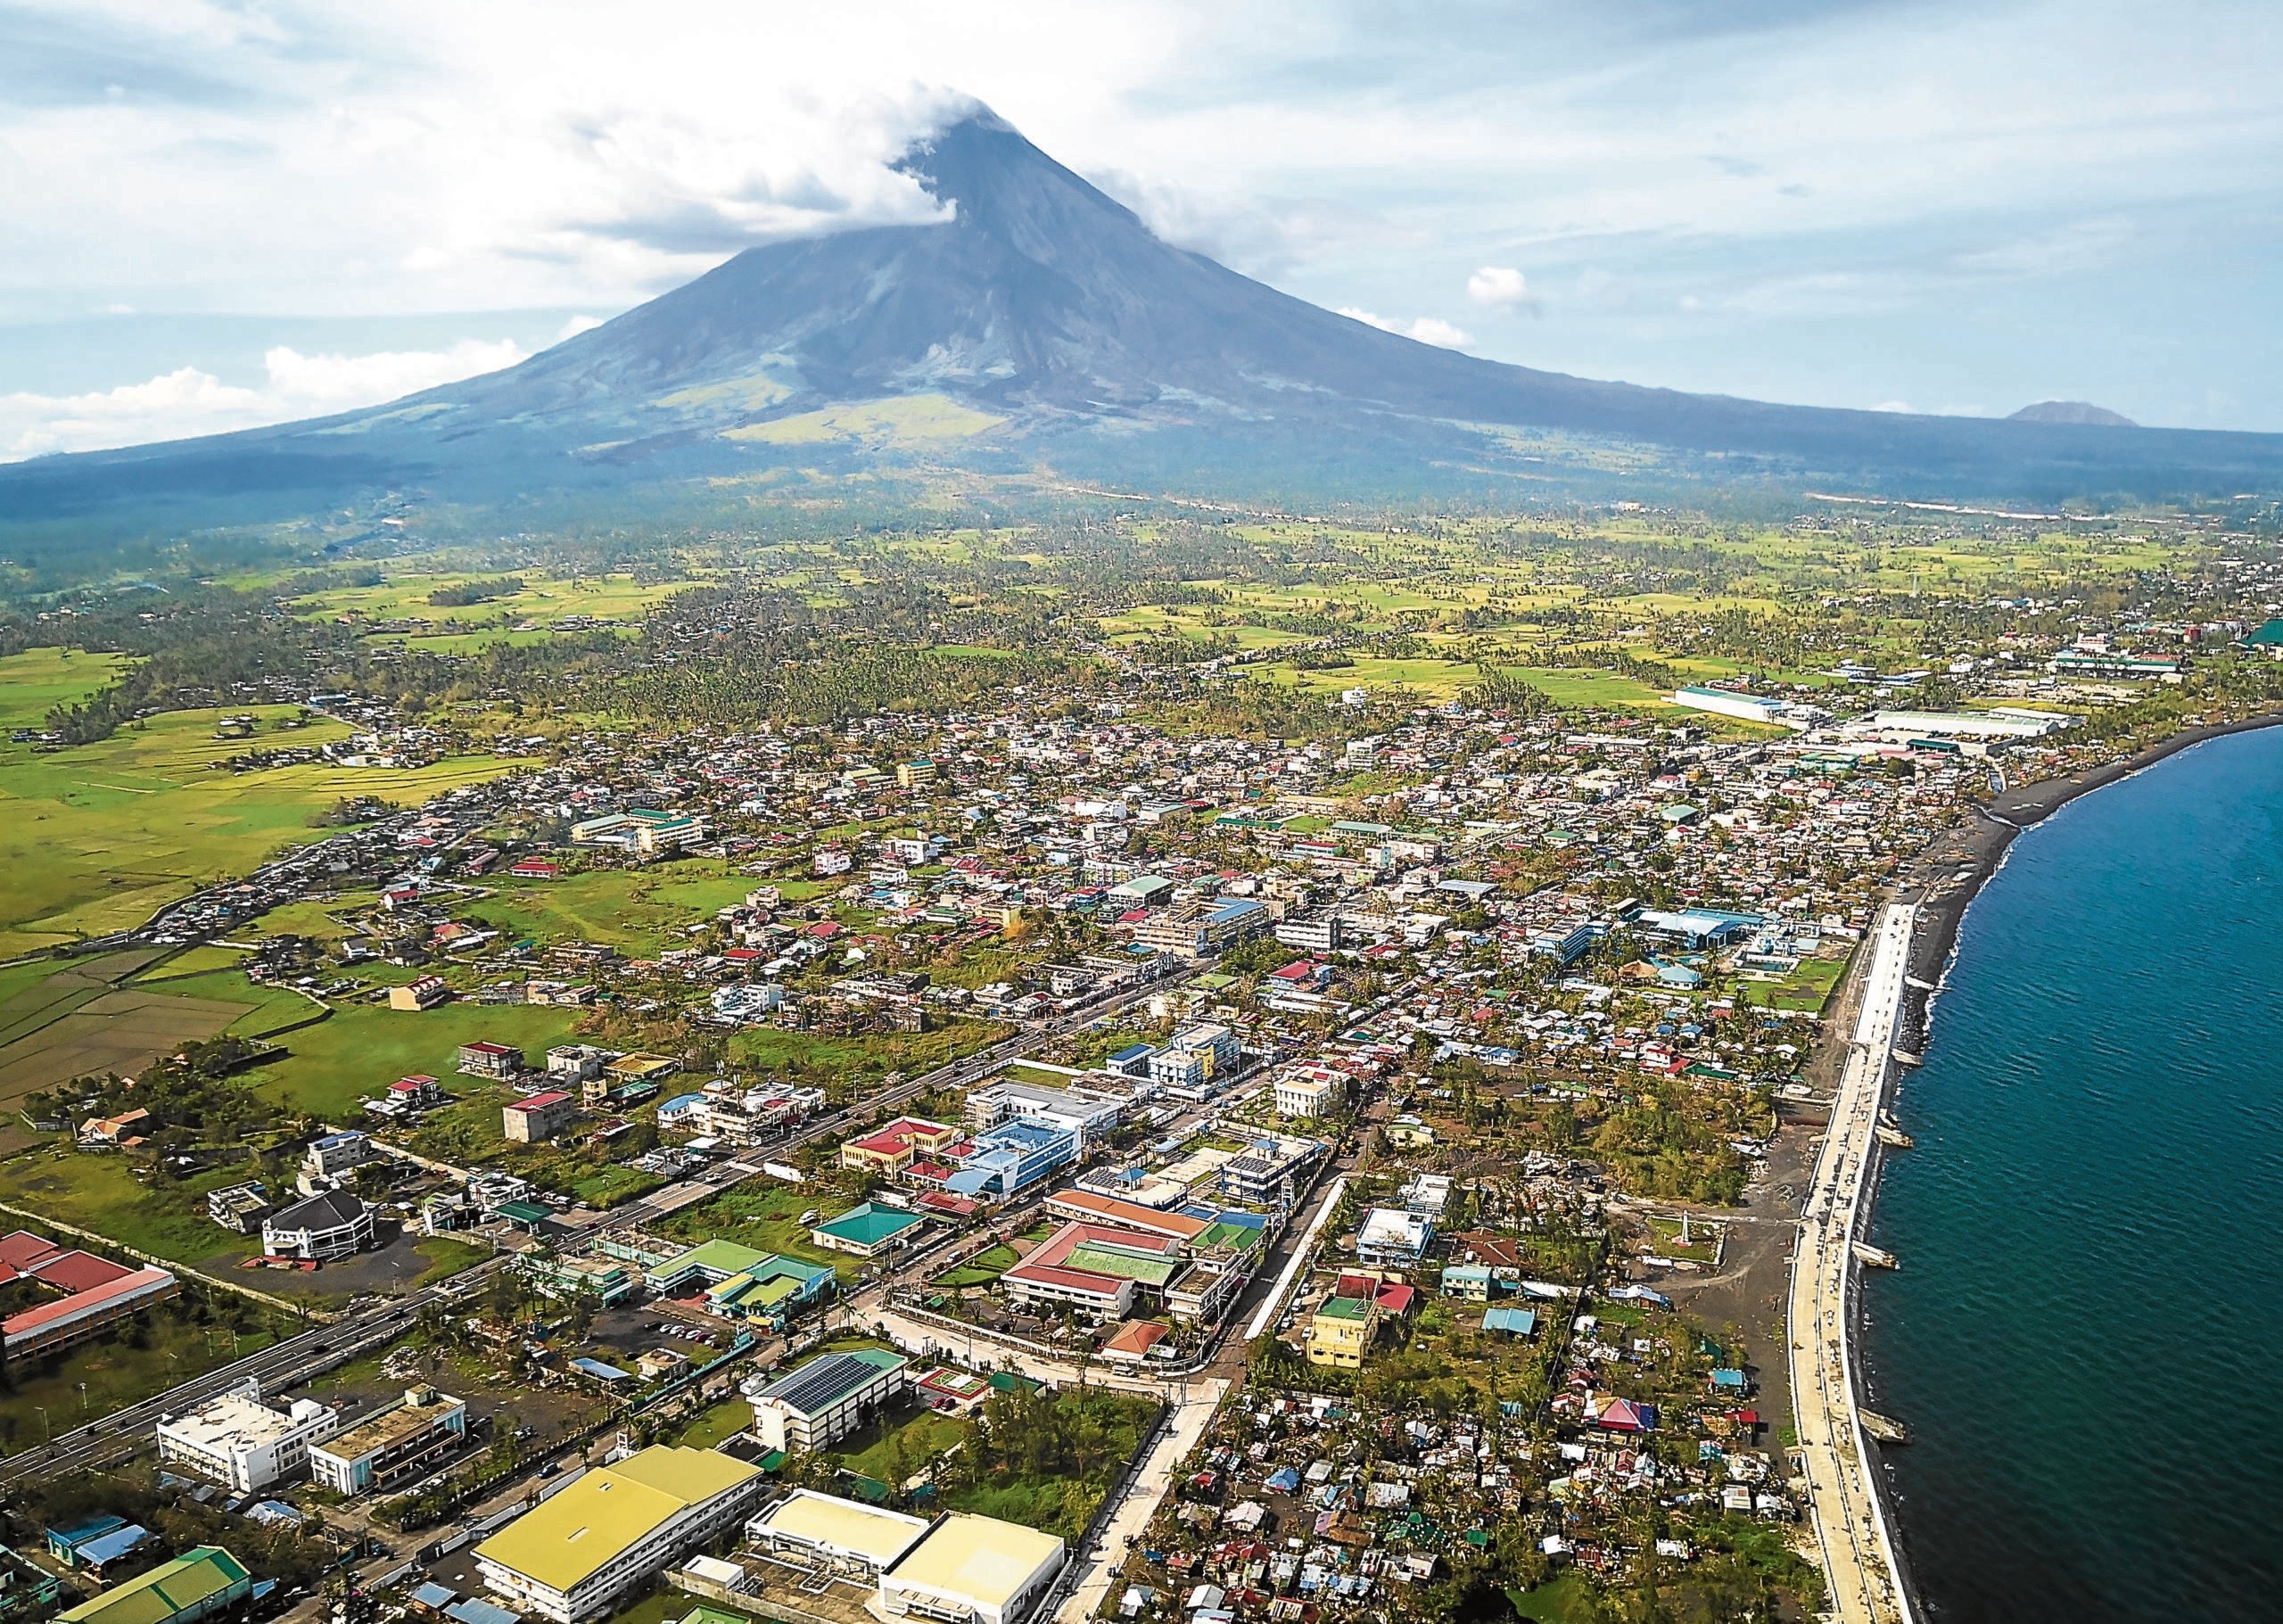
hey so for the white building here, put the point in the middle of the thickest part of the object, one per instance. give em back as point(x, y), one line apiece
point(334, 1224)
point(1305, 1094)
point(239, 1440)
point(335, 1154)
point(1724, 702)
point(972, 1569)
point(826, 1534)
point(827, 1398)
point(1317, 936)
point(1993, 725)
point(1392, 1238)
point(1086, 1114)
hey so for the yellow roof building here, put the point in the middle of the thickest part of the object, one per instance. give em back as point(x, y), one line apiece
point(976, 1567)
point(614, 1527)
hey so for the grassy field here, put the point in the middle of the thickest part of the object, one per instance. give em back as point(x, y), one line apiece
point(871, 1450)
point(514, 617)
point(638, 912)
point(766, 1216)
point(981, 1269)
point(844, 1065)
point(1568, 1599)
point(36, 681)
point(1806, 990)
point(64, 1020)
point(156, 1353)
point(365, 1047)
point(99, 837)
point(101, 1193)
point(708, 1428)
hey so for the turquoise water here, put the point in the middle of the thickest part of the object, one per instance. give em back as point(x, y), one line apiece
point(2085, 1336)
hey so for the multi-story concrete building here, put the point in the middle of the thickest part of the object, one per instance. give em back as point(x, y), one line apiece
point(971, 1569)
point(393, 1446)
point(536, 1118)
point(329, 1225)
point(575, 1555)
point(238, 1441)
point(828, 1398)
point(1340, 1331)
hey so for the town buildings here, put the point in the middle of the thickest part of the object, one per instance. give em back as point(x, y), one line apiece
point(536, 1118)
point(240, 1441)
point(330, 1225)
point(90, 1294)
point(971, 1569)
point(393, 1445)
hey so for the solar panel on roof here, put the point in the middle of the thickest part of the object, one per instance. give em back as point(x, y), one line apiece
point(820, 1380)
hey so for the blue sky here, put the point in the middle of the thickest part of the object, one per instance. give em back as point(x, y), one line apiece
point(214, 213)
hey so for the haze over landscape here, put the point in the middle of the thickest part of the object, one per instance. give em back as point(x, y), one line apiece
point(1142, 814)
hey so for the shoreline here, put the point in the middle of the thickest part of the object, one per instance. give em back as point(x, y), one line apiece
point(1972, 856)
point(1975, 853)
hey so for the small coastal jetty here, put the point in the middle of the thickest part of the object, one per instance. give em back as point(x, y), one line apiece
point(1903, 1057)
point(1885, 1428)
point(1894, 1138)
point(1873, 1257)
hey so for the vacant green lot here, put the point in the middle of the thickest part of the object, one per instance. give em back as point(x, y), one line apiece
point(148, 1356)
point(363, 1048)
point(982, 1269)
point(101, 1193)
point(904, 1442)
point(636, 911)
point(708, 1428)
point(1806, 990)
point(767, 1216)
point(847, 1065)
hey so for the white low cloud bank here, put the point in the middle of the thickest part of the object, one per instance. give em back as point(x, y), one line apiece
point(1427, 329)
point(1500, 286)
point(185, 403)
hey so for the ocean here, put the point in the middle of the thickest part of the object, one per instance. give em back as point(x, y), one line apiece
point(2086, 1334)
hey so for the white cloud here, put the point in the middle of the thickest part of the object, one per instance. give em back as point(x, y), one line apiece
point(1896, 405)
point(188, 401)
point(1427, 329)
point(576, 325)
point(1501, 286)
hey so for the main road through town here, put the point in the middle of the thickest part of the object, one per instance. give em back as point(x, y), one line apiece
point(1850, 1521)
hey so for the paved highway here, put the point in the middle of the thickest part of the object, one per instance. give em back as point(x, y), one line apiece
point(1850, 1521)
point(298, 1358)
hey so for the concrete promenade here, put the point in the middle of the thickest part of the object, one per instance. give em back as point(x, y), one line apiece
point(1850, 1519)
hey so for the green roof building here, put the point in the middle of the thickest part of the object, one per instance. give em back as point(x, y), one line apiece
point(194, 1586)
point(867, 1230)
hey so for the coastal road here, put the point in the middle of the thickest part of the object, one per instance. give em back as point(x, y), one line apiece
point(1849, 1519)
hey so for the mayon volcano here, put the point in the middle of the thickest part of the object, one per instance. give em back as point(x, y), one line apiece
point(1038, 328)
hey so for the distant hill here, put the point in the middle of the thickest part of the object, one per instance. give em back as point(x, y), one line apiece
point(2083, 412)
point(1042, 334)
